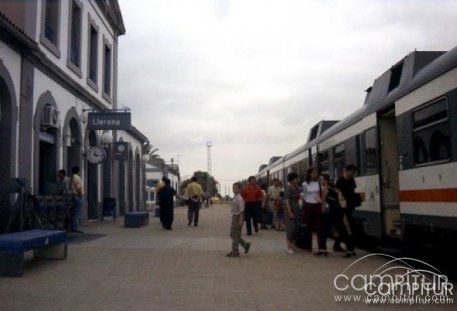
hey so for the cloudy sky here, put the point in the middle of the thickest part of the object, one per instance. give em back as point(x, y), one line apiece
point(252, 76)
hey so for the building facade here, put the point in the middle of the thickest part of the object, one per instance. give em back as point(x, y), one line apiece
point(58, 61)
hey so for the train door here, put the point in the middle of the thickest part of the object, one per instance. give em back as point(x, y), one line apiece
point(388, 146)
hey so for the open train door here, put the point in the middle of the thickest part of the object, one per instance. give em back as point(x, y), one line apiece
point(389, 180)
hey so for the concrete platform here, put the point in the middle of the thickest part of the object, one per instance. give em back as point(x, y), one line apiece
point(184, 269)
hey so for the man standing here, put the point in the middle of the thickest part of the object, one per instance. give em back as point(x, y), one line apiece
point(194, 192)
point(346, 184)
point(272, 199)
point(253, 196)
point(77, 194)
point(63, 182)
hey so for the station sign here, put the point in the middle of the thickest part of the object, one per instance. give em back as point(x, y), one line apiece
point(109, 120)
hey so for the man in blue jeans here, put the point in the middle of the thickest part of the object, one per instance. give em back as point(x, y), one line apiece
point(77, 195)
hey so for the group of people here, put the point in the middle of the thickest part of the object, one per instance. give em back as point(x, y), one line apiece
point(316, 205)
point(73, 187)
point(193, 197)
point(326, 208)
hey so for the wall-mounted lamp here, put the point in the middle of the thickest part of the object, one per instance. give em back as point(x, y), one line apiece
point(83, 116)
point(107, 138)
point(145, 158)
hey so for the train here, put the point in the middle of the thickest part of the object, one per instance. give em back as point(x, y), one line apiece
point(403, 141)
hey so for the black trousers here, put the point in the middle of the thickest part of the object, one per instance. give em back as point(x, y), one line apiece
point(193, 211)
point(252, 214)
point(344, 227)
point(312, 217)
point(166, 216)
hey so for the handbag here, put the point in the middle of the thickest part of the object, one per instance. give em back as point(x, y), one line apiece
point(325, 208)
point(357, 200)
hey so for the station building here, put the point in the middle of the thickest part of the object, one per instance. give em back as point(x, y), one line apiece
point(59, 63)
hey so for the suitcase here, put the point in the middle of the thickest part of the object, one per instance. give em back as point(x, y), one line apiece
point(303, 241)
point(267, 217)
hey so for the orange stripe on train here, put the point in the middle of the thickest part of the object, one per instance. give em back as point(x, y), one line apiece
point(429, 195)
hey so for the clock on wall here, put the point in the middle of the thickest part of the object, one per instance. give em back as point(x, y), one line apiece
point(96, 154)
point(120, 147)
point(120, 151)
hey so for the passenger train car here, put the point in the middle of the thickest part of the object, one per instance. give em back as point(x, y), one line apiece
point(404, 142)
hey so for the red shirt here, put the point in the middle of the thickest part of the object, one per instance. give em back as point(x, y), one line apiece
point(252, 194)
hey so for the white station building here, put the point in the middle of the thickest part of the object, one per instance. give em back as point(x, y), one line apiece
point(58, 64)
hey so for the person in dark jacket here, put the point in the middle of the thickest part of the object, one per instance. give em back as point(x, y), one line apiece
point(346, 184)
point(166, 203)
point(333, 216)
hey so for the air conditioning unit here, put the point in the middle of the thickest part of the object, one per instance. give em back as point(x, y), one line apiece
point(50, 117)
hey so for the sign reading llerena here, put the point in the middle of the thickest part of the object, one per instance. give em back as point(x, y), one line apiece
point(103, 120)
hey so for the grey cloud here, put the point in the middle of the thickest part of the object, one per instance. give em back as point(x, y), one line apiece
point(256, 86)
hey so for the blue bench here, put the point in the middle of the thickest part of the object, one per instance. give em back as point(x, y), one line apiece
point(136, 219)
point(49, 244)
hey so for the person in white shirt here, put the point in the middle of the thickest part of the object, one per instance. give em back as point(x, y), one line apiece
point(237, 212)
point(272, 199)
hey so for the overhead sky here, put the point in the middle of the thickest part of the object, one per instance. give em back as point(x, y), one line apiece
point(253, 76)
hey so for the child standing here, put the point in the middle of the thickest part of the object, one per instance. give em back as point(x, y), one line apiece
point(237, 212)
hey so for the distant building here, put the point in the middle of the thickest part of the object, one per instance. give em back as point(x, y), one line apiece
point(156, 169)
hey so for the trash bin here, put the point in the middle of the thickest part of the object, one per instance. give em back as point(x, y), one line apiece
point(109, 207)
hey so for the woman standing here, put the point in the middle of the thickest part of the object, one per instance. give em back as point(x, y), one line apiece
point(312, 209)
point(293, 213)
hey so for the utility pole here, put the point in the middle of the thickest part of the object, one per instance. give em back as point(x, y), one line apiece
point(208, 146)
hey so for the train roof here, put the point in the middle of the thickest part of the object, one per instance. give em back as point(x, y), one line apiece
point(314, 133)
point(274, 159)
point(411, 72)
point(261, 167)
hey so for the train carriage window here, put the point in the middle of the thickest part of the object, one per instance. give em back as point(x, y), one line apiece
point(324, 162)
point(395, 76)
point(339, 161)
point(439, 146)
point(431, 133)
point(313, 133)
point(420, 151)
point(432, 113)
point(360, 155)
point(371, 152)
point(302, 168)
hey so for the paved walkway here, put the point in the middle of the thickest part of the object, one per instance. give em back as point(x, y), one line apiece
point(184, 269)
